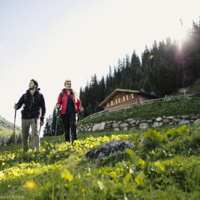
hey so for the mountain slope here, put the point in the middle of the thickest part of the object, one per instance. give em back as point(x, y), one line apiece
point(6, 129)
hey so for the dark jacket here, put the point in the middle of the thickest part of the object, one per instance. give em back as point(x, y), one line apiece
point(32, 105)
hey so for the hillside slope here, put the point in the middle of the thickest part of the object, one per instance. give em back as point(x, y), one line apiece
point(150, 110)
point(6, 129)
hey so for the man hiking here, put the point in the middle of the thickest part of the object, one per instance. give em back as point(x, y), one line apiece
point(33, 100)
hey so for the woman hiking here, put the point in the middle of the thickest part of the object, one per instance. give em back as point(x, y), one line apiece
point(70, 104)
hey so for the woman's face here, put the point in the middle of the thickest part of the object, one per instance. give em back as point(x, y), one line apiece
point(68, 85)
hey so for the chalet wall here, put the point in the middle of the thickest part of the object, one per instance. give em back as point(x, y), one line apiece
point(119, 97)
point(125, 95)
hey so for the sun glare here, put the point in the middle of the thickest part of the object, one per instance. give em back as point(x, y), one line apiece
point(179, 33)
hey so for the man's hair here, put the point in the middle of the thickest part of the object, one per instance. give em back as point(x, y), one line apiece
point(35, 82)
point(66, 81)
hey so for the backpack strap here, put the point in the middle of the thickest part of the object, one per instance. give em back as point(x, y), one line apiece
point(25, 95)
point(38, 96)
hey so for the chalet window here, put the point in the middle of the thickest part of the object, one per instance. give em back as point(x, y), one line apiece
point(118, 100)
point(111, 103)
point(130, 96)
point(107, 104)
point(114, 102)
point(122, 99)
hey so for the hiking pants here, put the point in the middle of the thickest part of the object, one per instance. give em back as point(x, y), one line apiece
point(34, 123)
point(69, 121)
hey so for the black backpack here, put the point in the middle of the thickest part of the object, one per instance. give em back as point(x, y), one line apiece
point(38, 96)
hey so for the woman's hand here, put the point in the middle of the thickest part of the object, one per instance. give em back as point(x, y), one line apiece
point(81, 109)
point(57, 106)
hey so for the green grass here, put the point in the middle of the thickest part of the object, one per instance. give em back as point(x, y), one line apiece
point(165, 165)
point(155, 109)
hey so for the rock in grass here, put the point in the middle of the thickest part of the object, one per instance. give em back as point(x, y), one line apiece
point(114, 146)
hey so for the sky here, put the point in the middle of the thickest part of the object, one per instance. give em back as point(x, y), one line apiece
point(55, 40)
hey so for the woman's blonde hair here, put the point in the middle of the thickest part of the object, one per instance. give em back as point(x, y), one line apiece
point(66, 81)
point(74, 94)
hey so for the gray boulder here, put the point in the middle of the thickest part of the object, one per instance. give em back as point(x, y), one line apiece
point(124, 125)
point(159, 119)
point(170, 117)
point(166, 121)
point(115, 125)
point(157, 124)
point(132, 121)
point(98, 127)
point(144, 125)
point(197, 121)
point(114, 146)
point(193, 117)
point(176, 120)
point(183, 122)
point(185, 116)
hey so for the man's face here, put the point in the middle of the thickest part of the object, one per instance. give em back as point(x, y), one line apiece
point(31, 85)
point(68, 85)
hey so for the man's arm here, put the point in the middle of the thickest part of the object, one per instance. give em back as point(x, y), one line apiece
point(43, 108)
point(20, 103)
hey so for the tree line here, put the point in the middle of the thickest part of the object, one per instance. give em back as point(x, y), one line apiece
point(50, 125)
point(164, 68)
point(7, 140)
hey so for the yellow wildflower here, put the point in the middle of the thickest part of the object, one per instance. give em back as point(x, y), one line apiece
point(66, 175)
point(30, 185)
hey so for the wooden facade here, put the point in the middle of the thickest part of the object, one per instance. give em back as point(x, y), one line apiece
point(124, 97)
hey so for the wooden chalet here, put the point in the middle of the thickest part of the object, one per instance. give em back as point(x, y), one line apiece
point(121, 98)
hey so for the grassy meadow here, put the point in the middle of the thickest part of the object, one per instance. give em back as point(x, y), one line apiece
point(150, 110)
point(163, 165)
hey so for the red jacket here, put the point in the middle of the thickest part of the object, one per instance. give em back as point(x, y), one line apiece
point(77, 104)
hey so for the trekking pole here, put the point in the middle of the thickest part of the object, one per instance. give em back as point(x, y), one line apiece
point(56, 126)
point(13, 130)
point(39, 130)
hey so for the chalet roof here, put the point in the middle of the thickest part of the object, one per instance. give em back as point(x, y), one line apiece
point(113, 94)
